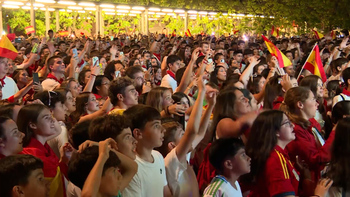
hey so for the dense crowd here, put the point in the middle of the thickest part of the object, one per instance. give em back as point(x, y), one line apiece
point(159, 115)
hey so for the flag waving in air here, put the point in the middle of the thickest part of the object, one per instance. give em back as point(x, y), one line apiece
point(29, 30)
point(188, 33)
point(314, 64)
point(283, 61)
point(7, 49)
point(318, 35)
point(274, 31)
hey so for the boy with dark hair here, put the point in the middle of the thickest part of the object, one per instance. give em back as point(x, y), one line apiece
point(228, 157)
point(148, 131)
point(56, 76)
point(136, 73)
point(122, 94)
point(169, 80)
point(116, 127)
point(22, 175)
point(97, 169)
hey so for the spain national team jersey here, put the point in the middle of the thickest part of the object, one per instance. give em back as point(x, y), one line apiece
point(279, 177)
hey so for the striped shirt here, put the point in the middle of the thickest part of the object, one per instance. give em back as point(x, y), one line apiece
point(220, 187)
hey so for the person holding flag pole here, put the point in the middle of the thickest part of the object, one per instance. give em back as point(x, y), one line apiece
point(314, 64)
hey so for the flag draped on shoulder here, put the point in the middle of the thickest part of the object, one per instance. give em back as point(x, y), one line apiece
point(7, 49)
point(274, 31)
point(318, 35)
point(283, 61)
point(314, 64)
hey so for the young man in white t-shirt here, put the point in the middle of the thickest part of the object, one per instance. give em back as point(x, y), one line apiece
point(150, 179)
point(9, 86)
point(177, 144)
point(169, 81)
point(229, 159)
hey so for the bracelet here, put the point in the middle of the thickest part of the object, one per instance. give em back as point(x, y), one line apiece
point(93, 75)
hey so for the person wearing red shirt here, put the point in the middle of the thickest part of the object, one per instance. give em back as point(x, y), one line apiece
point(272, 172)
point(300, 105)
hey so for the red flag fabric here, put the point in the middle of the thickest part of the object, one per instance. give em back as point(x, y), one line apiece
point(314, 64)
point(29, 30)
point(283, 61)
point(7, 49)
point(11, 36)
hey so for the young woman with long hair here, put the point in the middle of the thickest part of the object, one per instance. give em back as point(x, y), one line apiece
point(272, 172)
point(39, 126)
point(339, 167)
point(300, 106)
point(161, 99)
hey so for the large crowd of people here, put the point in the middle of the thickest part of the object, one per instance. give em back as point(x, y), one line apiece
point(164, 115)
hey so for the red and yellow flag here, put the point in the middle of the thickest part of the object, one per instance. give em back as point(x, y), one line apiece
point(29, 30)
point(235, 31)
point(63, 33)
point(188, 33)
point(7, 49)
point(318, 35)
point(314, 64)
point(283, 61)
point(333, 34)
point(274, 31)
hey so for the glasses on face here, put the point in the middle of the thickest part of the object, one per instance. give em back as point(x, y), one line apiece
point(288, 123)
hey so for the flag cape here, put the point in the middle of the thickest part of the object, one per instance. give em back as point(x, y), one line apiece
point(314, 64)
point(283, 61)
point(29, 30)
point(7, 49)
point(318, 34)
point(63, 33)
point(274, 32)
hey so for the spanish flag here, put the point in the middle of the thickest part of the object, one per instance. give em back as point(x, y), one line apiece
point(188, 33)
point(314, 64)
point(7, 49)
point(235, 31)
point(63, 33)
point(318, 35)
point(283, 61)
point(274, 32)
point(29, 30)
point(174, 33)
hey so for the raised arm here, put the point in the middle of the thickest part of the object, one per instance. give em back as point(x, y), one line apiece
point(244, 78)
point(95, 70)
point(193, 126)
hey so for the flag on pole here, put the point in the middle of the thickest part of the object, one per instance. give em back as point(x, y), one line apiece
point(318, 35)
point(188, 33)
point(314, 64)
point(283, 61)
point(29, 30)
point(235, 31)
point(174, 33)
point(7, 49)
point(63, 33)
point(274, 31)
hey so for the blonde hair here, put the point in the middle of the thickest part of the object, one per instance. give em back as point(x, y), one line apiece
point(155, 97)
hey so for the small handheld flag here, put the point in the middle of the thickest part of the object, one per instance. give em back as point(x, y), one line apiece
point(314, 64)
point(29, 30)
point(63, 33)
point(318, 35)
point(274, 31)
point(283, 61)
